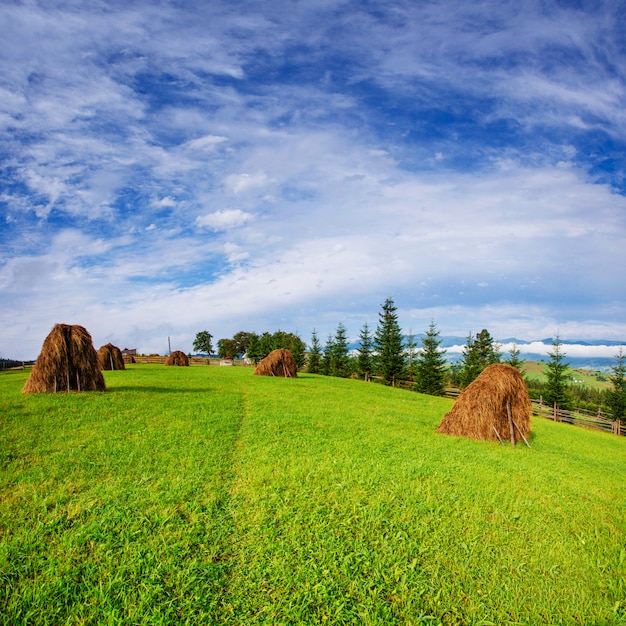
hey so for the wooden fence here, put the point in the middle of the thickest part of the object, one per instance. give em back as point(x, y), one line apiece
point(598, 420)
point(147, 359)
point(194, 360)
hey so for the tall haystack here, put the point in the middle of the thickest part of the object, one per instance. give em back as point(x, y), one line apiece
point(177, 358)
point(110, 358)
point(67, 362)
point(495, 406)
point(278, 363)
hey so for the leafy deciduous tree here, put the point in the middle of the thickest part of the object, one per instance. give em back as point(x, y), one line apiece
point(254, 351)
point(227, 348)
point(242, 341)
point(202, 342)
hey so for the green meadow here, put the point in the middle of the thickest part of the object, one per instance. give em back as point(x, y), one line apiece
point(537, 370)
point(207, 495)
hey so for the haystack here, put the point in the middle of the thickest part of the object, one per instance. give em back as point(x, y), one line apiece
point(177, 358)
point(495, 406)
point(110, 358)
point(67, 362)
point(278, 363)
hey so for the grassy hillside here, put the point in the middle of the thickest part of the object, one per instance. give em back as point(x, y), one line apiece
point(206, 495)
point(588, 378)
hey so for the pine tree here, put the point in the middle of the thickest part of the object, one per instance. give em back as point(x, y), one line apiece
point(479, 353)
point(411, 356)
point(339, 353)
point(298, 348)
point(327, 356)
point(617, 396)
point(315, 354)
point(365, 361)
point(431, 364)
point(514, 360)
point(488, 350)
point(388, 344)
point(556, 390)
point(470, 363)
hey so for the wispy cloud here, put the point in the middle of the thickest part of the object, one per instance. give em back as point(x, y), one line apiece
point(298, 165)
point(224, 219)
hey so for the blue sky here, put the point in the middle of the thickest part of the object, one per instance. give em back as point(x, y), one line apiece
point(171, 167)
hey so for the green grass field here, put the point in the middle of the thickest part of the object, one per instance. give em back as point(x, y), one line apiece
point(206, 495)
point(537, 369)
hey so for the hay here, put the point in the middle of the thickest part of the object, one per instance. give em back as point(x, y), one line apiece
point(110, 358)
point(495, 406)
point(67, 362)
point(278, 363)
point(177, 358)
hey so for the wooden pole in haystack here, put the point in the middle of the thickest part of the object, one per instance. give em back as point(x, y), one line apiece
point(495, 402)
point(110, 358)
point(278, 363)
point(495, 430)
point(511, 429)
point(67, 352)
point(521, 433)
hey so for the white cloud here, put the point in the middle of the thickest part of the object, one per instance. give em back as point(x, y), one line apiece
point(418, 151)
point(208, 143)
point(224, 219)
point(166, 202)
point(541, 348)
point(239, 183)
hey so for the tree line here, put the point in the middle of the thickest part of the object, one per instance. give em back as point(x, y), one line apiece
point(557, 391)
point(386, 354)
point(255, 347)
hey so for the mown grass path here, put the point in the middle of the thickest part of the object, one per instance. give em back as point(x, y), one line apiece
point(115, 505)
point(207, 495)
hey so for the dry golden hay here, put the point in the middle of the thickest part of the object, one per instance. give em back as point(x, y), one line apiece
point(278, 363)
point(495, 406)
point(177, 358)
point(67, 362)
point(110, 358)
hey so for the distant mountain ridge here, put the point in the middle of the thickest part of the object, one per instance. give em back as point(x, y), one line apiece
point(452, 340)
point(537, 350)
point(585, 356)
point(565, 342)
